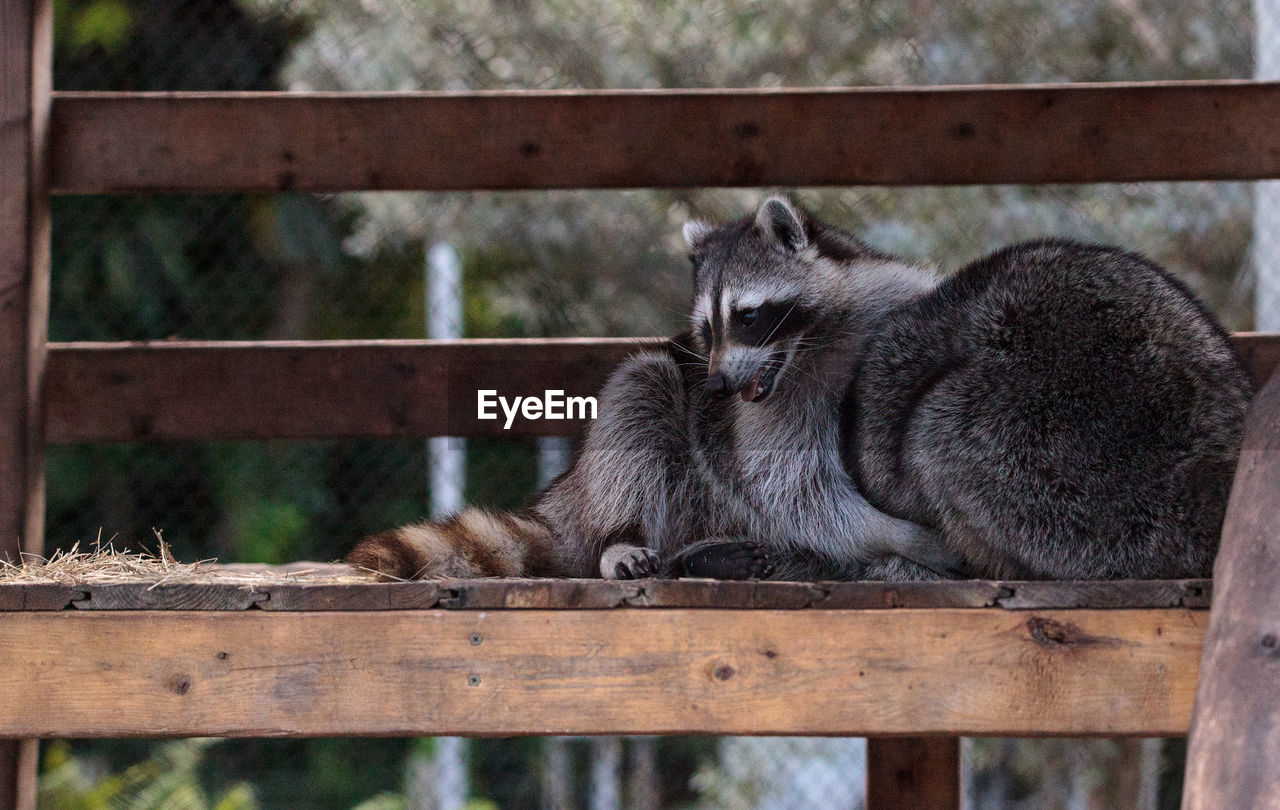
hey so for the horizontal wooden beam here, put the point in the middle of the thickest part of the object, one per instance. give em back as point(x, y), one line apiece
point(314, 389)
point(333, 389)
point(222, 588)
point(253, 673)
point(215, 142)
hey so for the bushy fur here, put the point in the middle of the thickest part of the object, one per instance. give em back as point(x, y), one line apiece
point(1057, 410)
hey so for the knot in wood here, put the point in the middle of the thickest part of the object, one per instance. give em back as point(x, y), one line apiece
point(1051, 633)
point(1268, 643)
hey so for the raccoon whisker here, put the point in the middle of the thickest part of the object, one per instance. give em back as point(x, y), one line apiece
point(798, 370)
point(781, 321)
point(688, 351)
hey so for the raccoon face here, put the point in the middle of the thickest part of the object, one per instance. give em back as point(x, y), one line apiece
point(751, 300)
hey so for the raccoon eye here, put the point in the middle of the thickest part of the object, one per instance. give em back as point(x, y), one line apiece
point(746, 317)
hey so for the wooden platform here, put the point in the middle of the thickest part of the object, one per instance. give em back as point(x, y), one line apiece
point(595, 594)
point(583, 657)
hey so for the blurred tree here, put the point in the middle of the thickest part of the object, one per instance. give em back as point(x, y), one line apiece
point(165, 780)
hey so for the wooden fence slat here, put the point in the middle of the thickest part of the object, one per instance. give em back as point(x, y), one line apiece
point(333, 389)
point(595, 594)
point(913, 773)
point(1233, 757)
point(875, 672)
point(26, 64)
point(132, 142)
point(314, 389)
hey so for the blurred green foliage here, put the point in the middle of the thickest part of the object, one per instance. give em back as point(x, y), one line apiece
point(167, 779)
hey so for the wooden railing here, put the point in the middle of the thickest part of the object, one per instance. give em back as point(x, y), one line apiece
point(332, 389)
point(1086, 667)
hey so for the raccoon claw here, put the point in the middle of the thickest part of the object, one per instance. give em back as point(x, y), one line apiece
point(628, 562)
point(735, 559)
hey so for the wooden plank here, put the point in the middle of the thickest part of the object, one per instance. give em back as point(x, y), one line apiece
point(37, 596)
point(595, 594)
point(19, 764)
point(329, 389)
point(24, 268)
point(117, 142)
point(572, 594)
point(1233, 756)
point(1260, 352)
point(1188, 593)
point(886, 672)
point(174, 596)
point(315, 389)
point(372, 596)
point(26, 63)
point(913, 773)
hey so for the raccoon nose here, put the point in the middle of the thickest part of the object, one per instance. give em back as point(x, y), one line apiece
point(717, 384)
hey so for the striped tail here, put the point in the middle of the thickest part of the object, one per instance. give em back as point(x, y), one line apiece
point(472, 543)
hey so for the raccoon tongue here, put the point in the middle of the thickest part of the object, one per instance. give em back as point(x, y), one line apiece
point(753, 388)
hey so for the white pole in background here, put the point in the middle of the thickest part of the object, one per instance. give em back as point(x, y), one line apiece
point(606, 773)
point(447, 459)
point(442, 302)
point(1266, 201)
point(557, 766)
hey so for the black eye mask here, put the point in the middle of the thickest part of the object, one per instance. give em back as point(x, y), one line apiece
point(773, 320)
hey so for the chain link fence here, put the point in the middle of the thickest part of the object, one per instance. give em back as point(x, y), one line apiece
point(277, 266)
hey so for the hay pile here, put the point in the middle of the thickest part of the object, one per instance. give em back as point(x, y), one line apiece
point(106, 565)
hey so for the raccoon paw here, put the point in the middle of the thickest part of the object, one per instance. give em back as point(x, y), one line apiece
point(625, 561)
point(729, 559)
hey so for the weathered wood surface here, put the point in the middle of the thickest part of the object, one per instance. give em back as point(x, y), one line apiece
point(26, 64)
point(594, 594)
point(913, 773)
point(665, 138)
point(873, 672)
point(315, 389)
point(331, 389)
point(1233, 757)
point(24, 267)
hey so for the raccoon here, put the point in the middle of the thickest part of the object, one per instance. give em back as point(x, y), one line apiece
point(721, 454)
point(1056, 410)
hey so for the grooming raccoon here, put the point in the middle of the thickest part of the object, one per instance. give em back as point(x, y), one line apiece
point(720, 455)
point(1057, 410)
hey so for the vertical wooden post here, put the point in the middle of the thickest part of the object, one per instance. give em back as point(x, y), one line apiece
point(1233, 757)
point(913, 773)
point(26, 64)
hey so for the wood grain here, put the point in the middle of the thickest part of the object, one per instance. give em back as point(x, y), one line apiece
point(26, 65)
point(595, 594)
point(913, 773)
point(886, 672)
point(1233, 755)
point(333, 389)
point(314, 389)
point(117, 142)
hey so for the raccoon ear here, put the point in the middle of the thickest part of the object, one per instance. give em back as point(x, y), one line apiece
point(779, 220)
point(695, 230)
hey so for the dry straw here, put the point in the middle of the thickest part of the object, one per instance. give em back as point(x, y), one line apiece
point(107, 565)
